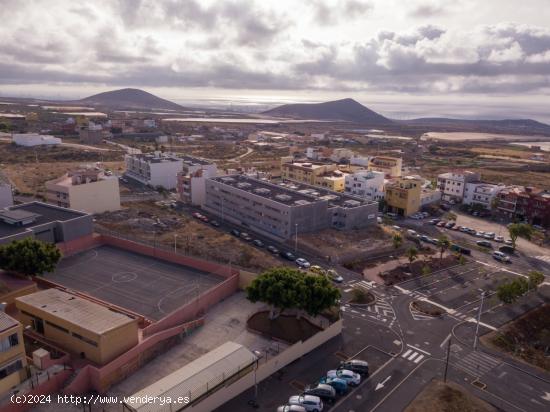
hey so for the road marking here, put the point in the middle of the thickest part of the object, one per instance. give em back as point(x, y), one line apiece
point(414, 355)
point(476, 363)
point(347, 290)
point(445, 340)
point(406, 353)
point(419, 359)
point(546, 396)
point(380, 385)
point(418, 349)
point(397, 342)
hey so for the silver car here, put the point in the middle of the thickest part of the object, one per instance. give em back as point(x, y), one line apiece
point(309, 402)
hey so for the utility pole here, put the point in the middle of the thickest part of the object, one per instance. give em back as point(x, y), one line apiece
point(175, 243)
point(447, 360)
point(479, 318)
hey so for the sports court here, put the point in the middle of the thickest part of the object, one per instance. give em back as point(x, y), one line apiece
point(143, 284)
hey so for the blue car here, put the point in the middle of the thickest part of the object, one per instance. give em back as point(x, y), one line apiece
point(339, 385)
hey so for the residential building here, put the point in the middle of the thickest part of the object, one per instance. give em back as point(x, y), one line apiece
point(280, 209)
point(44, 222)
point(402, 195)
point(13, 360)
point(366, 184)
point(429, 197)
point(481, 194)
point(91, 134)
point(507, 199)
point(78, 325)
point(359, 160)
point(34, 139)
point(340, 154)
point(326, 175)
point(6, 193)
point(453, 184)
point(527, 204)
point(88, 190)
point(192, 180)
point(157, 169)
point(390, 166)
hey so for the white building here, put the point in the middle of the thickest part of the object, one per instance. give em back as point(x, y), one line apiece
point(429, 196)
point(358, 160)
point(481, 193)
point(452, 184)
point(192, 179)
point(365, 184)
point(157, 169)
point(34, 139)
point(6, 194)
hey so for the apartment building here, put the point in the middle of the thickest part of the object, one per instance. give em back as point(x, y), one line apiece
point(44, 222)
point(192, 179)
point(365, 184)
point(156, 169)
point(6, 193)
point(91, 134)
point(87, 189)
point(390, 166)
point(481, 194)
point(429, 197)
point(78, 325)
point(325, 175)
point(13, 361)
point(280, 209)
point(453, 184)
point(527, 204)
point(403, 195)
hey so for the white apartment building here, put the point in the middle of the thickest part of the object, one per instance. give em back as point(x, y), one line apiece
point(34, 139)
point(157, 169)
point(481, 193)
point(366, 184)
point(192, 179)
point(429, 197)
point(358, 160)
point(88, 190)
point(453, 184)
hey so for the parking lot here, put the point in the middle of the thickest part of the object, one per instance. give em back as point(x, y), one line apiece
point(145, 285)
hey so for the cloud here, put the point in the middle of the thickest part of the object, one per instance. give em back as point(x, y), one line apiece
point(327, 14)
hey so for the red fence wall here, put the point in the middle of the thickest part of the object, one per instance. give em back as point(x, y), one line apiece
point(78, 245)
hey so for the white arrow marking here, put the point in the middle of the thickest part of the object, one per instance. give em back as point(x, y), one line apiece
point(546, 396)
point(381, 384)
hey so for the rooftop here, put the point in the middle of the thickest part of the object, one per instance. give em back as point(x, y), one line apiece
point(78, 311)
point(153, 158)
point(290, 192)
point(6, 321)
point(191, 160)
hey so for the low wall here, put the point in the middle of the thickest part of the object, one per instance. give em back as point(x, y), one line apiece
point(80, 244)
point(266, 369)
point(246, 278)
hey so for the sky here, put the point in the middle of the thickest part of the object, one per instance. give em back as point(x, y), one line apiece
point(463, 58)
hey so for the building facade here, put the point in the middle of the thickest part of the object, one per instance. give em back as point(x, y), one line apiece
point(453, 184)
point(366, 184)
point(402, 195)
point(192, 180)
point(13, 361)
point(6, 193)
point(429, 197)
point(34, 139)
point(325, 175)
point(390, 166)
point(157, 169)
point(80, 326)
point(280, 210)
point(88, 190)
point(527, 204)
point(481, 194)
point(91, 134)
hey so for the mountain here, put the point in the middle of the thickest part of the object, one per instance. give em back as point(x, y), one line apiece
point(347, 110)
point(129, 99)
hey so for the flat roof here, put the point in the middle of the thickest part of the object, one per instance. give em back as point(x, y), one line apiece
point(46, 214)
point(194, 160)
point(76, 310)
point(151, 158)
point(212, 368)
point(18, 214)
point(6, 321)
point(290, 192)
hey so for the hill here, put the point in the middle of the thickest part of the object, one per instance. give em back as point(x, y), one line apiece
point(512, 126)
point(129, 99)
point(347, 110)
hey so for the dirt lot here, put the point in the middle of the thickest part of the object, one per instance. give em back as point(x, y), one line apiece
point(450, 397)
point(146, 221)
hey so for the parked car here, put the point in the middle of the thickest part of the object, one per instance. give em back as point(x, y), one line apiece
point(434, 241)
point(412, 233)
point(246, 236)
point(273, 249)
point(472, 231)
point(356, 365)
point(395, 227)
point(509, 250)
point(235, 232)
point(509, 242)
point(317, 270)
point(484, 243)
point(215, 223)
point(352, 378)
point(425, 238)
point(309, 402)
point(499, 239)
point(450, 225)
point(326, 392)
point(340, 385)
point(291, 408)
point(457, 248)
point(287, 256)
point(204, 219)
point(304, 264)
point(334, 276)
point(480, 233)
point(464, 229)
point(456, 227)
point(433, 221)
point(441, 223)
point(489, 235)
point(501, 257)
point(258, 243)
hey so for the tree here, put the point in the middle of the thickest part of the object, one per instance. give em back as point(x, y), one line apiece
point(520, 230)
point(317, 294)
point(535, 279)
point(443, 243)
point(426, 270)
point(506, 293)
point(29, 256)
point(397, 240)
point(412, 255)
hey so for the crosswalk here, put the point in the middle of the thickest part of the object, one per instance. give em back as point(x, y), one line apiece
point(363, 284)
point(475, 363)
point(413, 356)
point(544, 258)
point(381, 308)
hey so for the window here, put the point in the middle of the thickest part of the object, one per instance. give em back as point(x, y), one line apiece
point(11, 368)
point(84, 339)
point(9, 342)
point(57, 327)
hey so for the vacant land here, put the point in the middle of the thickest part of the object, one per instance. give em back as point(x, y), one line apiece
point(527, 338)
point(287, 328)
point(475, 136)
point(450, 397)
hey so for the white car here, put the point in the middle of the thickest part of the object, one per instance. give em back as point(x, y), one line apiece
point(309, 402)
point(352, 378)
point(499, 239)
point(501, 257)
point(303, 263)
point(291, 408)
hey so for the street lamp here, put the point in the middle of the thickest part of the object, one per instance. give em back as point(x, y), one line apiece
point(296, 238)
point(175, 243)
point(479, 318)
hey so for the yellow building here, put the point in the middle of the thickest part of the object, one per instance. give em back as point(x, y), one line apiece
point(390, 166)
point(323, 175)
point(78, 325)
point(13, 361)
point(403, 195)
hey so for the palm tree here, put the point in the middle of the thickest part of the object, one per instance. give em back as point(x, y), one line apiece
point(443, 243)
point(412, 255)
point(397, 240)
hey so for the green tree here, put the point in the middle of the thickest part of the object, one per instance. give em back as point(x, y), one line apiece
point(535, 279)
point(29, 256)
point(359, 295)
point(412, 255)
point(443, 244)
point(461, 259)
point(317, 294)
point(397, 240)
point(520, 230)
point(426, 270)
point(506, 293)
